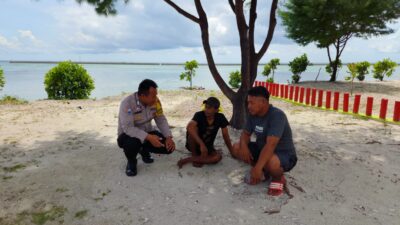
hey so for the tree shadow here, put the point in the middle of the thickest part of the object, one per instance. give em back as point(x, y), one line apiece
point(54, 174)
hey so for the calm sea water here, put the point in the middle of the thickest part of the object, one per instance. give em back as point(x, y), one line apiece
point(26, 80)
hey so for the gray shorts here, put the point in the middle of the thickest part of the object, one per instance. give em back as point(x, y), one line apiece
point(288, 160)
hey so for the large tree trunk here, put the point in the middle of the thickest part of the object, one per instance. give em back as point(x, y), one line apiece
point(239, 99)
point(334, 63)
point(334, 72)
point(190, 79)
point(340, 44)
point(239, 113)
point(249, 57)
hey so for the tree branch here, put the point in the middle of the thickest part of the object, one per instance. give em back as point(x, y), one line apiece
point(240, 19)
point(181, 11)
point(252, 21)
point(343, 46)
point(341, 43)
point(232, 5)
point(252, 51)
point(271, 28)
point(244, 44)
point(203, 22)
point(337, 51)
point(345, 38)
point(329, 54)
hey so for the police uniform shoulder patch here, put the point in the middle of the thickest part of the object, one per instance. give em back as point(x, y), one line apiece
point(159, 110)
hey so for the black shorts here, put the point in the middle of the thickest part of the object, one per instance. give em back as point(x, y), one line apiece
point(198, 152)
point(288, 160)
point(210, 147)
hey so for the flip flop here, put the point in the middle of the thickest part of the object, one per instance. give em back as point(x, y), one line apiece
point(276, 187)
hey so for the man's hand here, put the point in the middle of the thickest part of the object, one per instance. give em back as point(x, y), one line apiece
point(170, 144)
point(256, 175)
point(203, 150)
point(244, 154)
point(154, 140)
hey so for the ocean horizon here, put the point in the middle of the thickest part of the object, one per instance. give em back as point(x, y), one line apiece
point(24, 79)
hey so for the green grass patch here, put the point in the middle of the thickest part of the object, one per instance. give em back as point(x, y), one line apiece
point(11, 100)
point(103, 194)
point(81, 214)
point(106, 193)
point(61, 190)
point(42, 217)
point(14, 168)
point(54, 213)
point(7, 177)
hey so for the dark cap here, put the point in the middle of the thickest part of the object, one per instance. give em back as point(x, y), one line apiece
point(212, 101)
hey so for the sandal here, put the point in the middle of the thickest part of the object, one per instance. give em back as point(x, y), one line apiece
point(276, 187)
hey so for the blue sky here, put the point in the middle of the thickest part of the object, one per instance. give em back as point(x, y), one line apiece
point(151, 31)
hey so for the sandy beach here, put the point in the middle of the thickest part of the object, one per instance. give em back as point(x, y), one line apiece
point(60, 164)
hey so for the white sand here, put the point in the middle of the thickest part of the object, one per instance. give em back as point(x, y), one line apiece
point(349, 169)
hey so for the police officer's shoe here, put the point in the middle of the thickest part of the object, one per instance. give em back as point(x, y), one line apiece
point(146, 157)
point(131, 169)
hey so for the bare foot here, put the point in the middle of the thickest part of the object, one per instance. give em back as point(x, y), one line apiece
point(198, 165)
point(182, 162)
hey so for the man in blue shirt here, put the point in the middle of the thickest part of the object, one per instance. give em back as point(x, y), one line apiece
point(273, 153)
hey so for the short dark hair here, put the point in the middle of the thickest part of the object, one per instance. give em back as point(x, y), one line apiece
point(213, 102)
point(259, 91)
point(145, 86)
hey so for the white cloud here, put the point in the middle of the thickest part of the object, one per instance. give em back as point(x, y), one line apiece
point(30, 39)
point(387, 44)
point(25, 41)
point(147, 30)
point(223, 50)
point(82, 39)
point(4, 42)
point(82, 27)
point(138, 5)
point(217, 26)
point(27, 34)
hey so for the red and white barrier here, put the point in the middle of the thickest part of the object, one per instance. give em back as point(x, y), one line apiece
point(315, 97)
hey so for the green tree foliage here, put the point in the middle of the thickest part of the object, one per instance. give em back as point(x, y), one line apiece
point(2, 79)
point(235, 78)
point(190, 71)
point(384, 68)
point(362, 70)
point(103, 7)
point(12, 100)
point(267, 70)
point(68, 80)
point(331, 23)
point(298, 66)
point(271, 67)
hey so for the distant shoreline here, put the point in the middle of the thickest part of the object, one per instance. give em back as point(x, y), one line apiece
point(133, 63)
point(143, 63)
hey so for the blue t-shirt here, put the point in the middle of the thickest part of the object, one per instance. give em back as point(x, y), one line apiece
point(273, 123)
